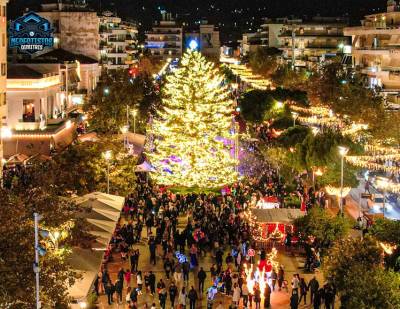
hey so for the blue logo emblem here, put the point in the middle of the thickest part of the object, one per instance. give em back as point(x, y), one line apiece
point(31, 33)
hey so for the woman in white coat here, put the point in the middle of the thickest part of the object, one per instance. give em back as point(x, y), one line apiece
point(236, 295)
point(182, 298)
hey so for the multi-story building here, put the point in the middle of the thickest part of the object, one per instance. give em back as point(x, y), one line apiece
point(376, 49)
point(118, 42)
point(165, 40)
point(76, 28)
point(207, 37)
point(309, 42)
point(251, 42)
point(36, 113)
point(3, 74)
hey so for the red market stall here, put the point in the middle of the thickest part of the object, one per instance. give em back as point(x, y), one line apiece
point(272, 225)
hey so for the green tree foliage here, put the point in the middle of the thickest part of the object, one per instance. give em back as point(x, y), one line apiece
point(17, 244)
point(227, 72)
point(255, 104)
point(116, 93)
point(293, 136)
point(354, 267)
point(81, 168)
point(323, 226)
point(321, 150)
point(259, 105)
point(344, 93)
point(264, 60)
point(387, 231)
point(287, 78)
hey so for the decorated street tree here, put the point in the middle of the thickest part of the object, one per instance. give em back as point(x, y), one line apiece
point(191, 139)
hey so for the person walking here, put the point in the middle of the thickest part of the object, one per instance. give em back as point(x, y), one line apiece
point(267, 296)
point(257, 297)
point(303, 290)
point(152, 248)
point(109, 292)
point(313, 286)
point(119, 286)
point(192, 295)
point(245, 294)
point(236, 295)
point(182, 298)
point(281, 277)
point(139, 281)
point(173, 291)
point(152, 283)
point(202, 278)
point(294, 300)
point(127, 277)
point(274, 277)
point(295, 283)
point(162, 297)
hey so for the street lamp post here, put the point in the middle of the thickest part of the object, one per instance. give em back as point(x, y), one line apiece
point(295, 115)
point(124, 131)
point(36, 268)
point(107, 156)
point(134, 113)
point(343, 152)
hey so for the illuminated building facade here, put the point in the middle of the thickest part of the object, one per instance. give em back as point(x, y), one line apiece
point(375, 49)
point(165, 40)
point(118, 42)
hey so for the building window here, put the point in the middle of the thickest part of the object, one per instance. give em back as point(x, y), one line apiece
point(3, 69)
point(28, 110)
point(3, 40)
point(3, 11)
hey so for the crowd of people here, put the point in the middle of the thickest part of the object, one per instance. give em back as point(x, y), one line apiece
point(214, 225)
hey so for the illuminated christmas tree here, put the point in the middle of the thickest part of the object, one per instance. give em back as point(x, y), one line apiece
point(192, 136)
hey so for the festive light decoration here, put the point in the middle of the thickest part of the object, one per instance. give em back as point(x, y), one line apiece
point(253, 80)
point(193, 134)
point(388, 248)
point(261, 276)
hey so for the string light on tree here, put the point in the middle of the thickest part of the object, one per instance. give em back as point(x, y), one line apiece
point(193, 135)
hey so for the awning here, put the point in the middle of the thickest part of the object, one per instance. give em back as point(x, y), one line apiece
point(18, 158)
point(276, 215)
point(103, 213)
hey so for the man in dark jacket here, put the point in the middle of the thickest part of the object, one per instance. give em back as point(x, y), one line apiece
point(192, 295)
point(119, 286)
point(152, 283)
point(202, 278)
point(109, 289)
point(152, 249)
point(173, 290)
point(313, 286)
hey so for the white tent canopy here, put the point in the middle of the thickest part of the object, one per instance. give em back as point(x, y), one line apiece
point(103, 214)
point(145, 167)
point(281, 215)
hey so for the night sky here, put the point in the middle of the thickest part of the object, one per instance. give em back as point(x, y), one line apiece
point(232, 16)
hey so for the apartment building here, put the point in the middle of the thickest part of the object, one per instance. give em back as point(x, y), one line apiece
point(165, 40)
point(309, 42)
point(118, 42)
point(376, 49)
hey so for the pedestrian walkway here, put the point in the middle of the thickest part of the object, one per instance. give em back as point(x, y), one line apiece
point(279, 299)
